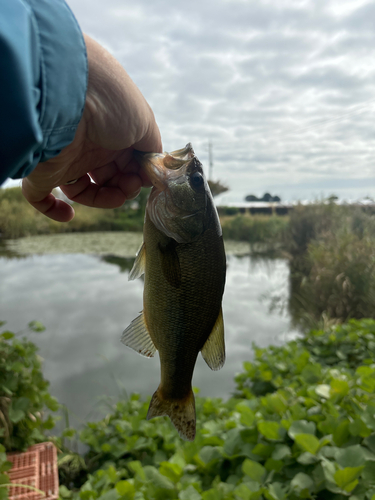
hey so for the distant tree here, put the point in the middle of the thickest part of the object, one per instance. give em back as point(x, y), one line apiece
point(266, 197)
point(217, 187)
point(332, 198)
point(251, 197)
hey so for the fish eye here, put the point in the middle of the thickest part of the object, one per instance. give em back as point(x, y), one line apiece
point(196, 179)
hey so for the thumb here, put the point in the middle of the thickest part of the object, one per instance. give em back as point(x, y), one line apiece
point(46, 203)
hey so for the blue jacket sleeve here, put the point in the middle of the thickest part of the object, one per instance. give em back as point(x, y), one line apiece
point(43, 81)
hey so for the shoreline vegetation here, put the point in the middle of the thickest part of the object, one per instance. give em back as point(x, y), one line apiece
point(330, 248)
point(300, 425)
point(124, 244)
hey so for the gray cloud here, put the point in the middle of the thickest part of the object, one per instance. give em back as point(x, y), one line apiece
point(285, 91)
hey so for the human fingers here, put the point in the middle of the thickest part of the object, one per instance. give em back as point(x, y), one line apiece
point(46, 203)
point(124, 165)
point(111, 195)
point(116, 113)
point(151, 141)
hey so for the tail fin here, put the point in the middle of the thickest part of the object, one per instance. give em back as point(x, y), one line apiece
point(180, 411)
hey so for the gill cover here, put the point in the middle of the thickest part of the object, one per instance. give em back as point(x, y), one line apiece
point(180, 204)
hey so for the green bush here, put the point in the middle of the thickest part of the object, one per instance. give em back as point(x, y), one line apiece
point(310, 435)
point(230, 211)
point(5, 465)
point(340, 282)
point(308, 223)
point(18, 218)
point(342, 346)
point(255, 229)
point(332, 263)
point(24, 396)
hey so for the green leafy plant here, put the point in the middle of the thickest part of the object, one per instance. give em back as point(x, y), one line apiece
point(5, 465)
point(348, 346)
point(24, 396)
point(309, 432)
point(302, 426)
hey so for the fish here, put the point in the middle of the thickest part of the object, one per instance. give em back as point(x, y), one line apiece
point(183, 261)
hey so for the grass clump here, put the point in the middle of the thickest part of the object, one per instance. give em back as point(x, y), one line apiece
point(18, 218)
point(263, 229)
point(341, 282)
point(332, 262)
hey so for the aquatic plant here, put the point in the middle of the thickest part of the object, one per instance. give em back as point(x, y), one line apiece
point(302, 426)
point(312, 436)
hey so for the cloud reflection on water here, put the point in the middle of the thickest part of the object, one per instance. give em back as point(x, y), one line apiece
point(86, 302)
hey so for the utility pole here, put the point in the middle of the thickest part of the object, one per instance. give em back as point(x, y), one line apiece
point(210, 161)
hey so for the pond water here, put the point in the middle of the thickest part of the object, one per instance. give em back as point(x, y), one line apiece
point(85, 302)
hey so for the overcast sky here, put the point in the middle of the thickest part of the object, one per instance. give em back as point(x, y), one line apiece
point(284, 89)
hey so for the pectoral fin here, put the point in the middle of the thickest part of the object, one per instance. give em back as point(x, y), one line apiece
point(213, 351)
point(170, 263)
point(137, 337)
point(139, 265)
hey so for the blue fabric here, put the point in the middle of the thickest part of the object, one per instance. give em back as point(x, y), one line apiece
point(43, 81)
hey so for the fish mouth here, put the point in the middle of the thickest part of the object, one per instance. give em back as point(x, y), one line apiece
point(161, 168)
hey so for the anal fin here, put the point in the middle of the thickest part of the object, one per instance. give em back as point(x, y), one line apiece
point(139, 265)
point(137, 337)
point(213, 351)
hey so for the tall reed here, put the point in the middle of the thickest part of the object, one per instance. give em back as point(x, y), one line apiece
point(332, 252)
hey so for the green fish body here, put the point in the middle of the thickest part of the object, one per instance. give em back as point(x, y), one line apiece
point(183, 260)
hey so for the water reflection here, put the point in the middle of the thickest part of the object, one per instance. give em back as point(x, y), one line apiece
point(124, 263)
point(85, 302)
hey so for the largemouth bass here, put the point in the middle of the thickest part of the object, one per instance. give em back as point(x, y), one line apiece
point(183, 260)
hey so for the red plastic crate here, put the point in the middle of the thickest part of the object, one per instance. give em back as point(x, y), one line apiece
point(36, 467)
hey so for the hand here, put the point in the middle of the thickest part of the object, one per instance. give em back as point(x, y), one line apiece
point(116, 120)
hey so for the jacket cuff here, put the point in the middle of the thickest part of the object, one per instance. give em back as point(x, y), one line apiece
point(63, 74)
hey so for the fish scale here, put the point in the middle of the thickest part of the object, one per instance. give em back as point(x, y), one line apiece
point(191, 310)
